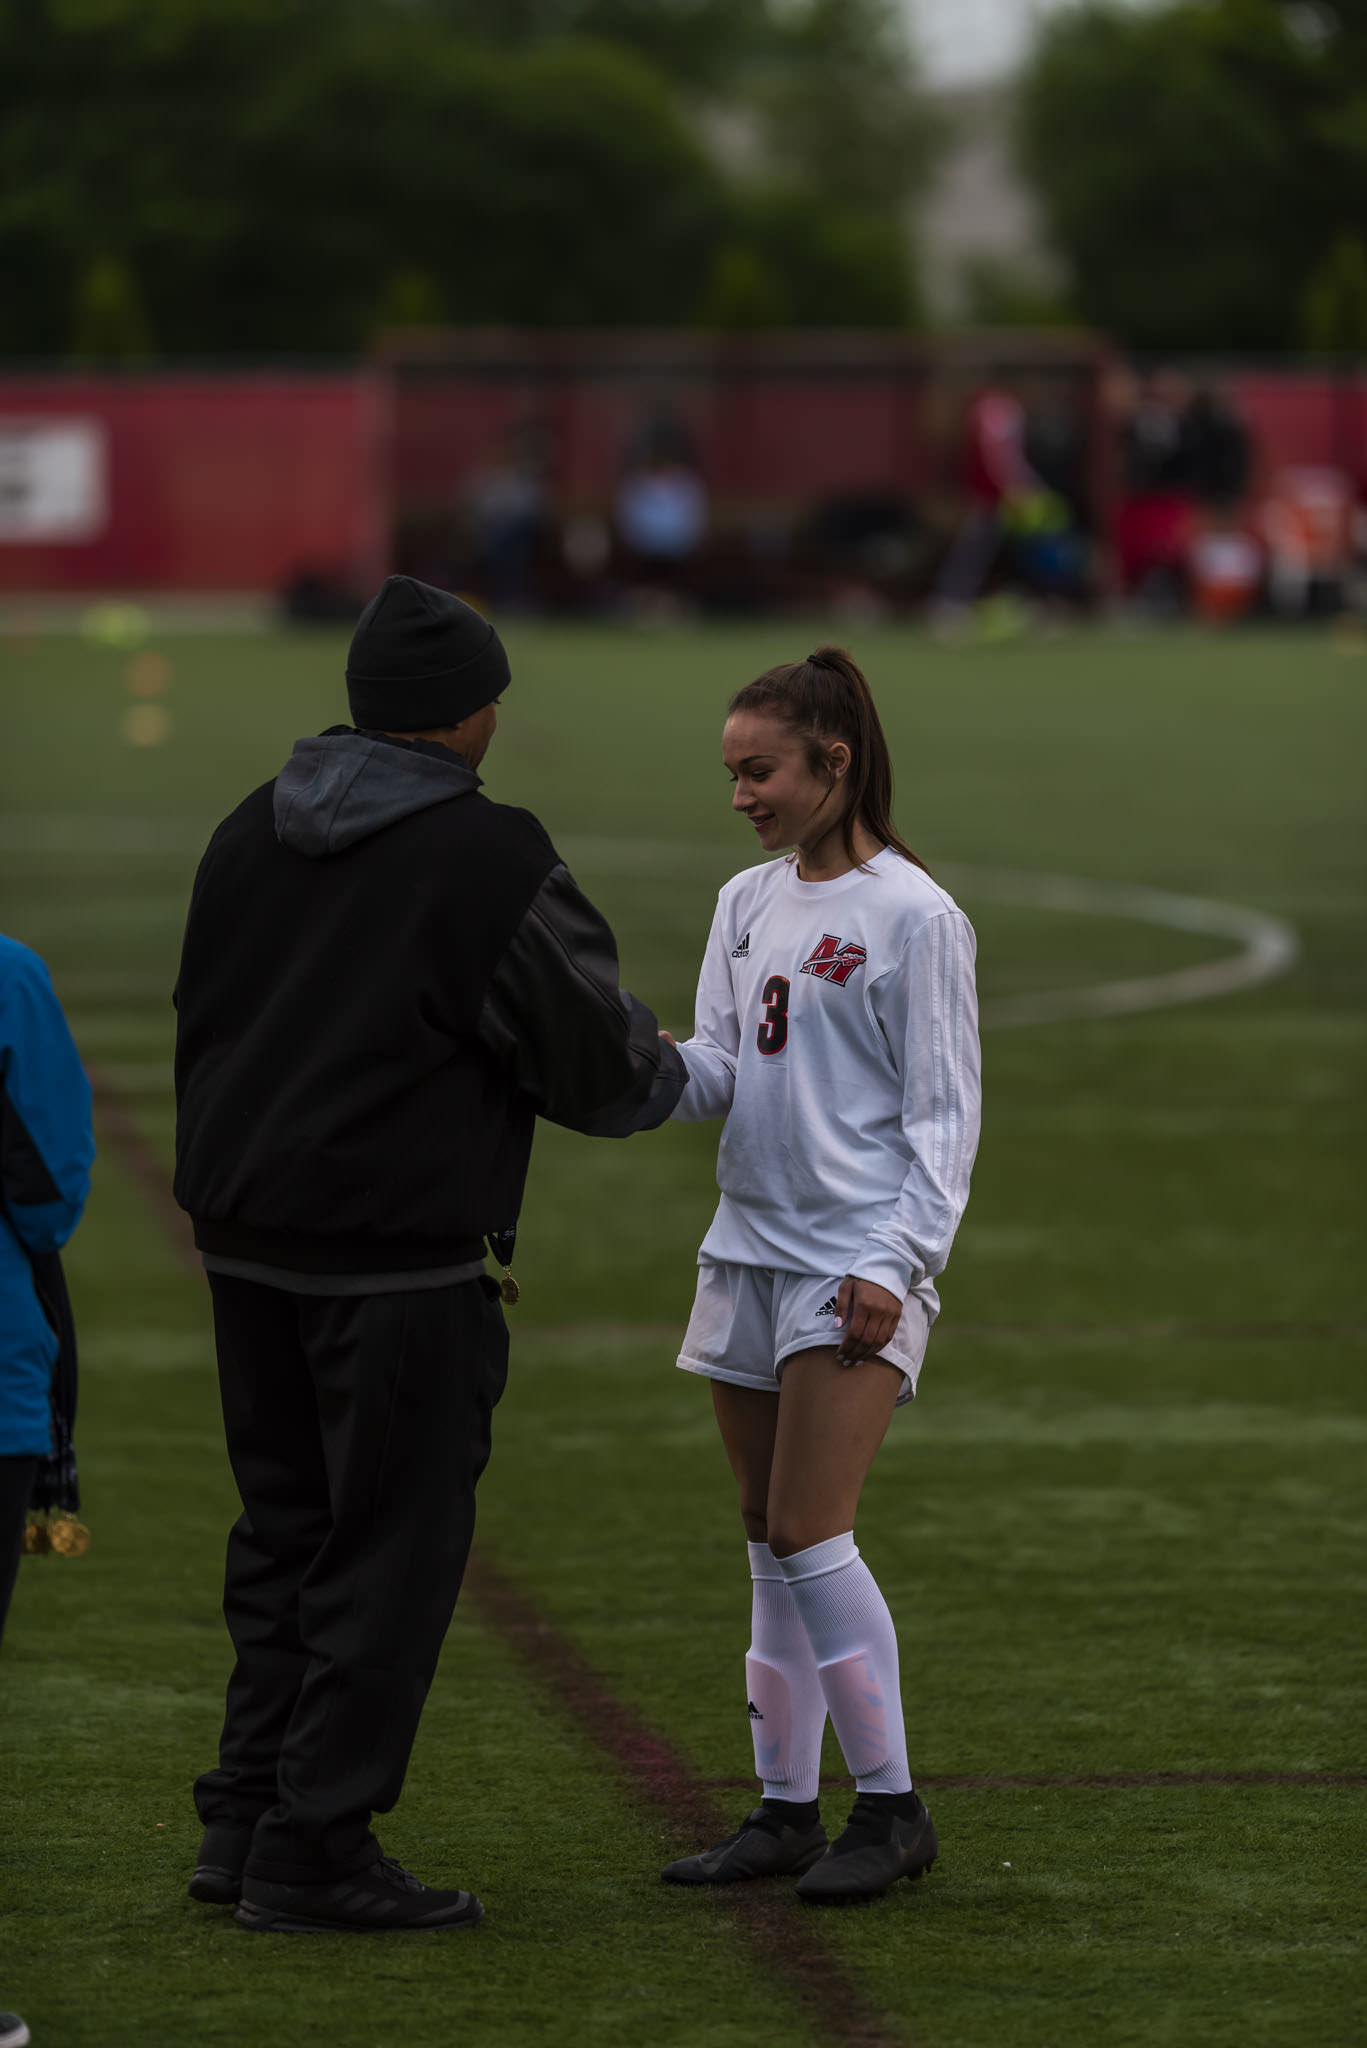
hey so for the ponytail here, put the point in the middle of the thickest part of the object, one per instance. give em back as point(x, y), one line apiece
point(825, 698)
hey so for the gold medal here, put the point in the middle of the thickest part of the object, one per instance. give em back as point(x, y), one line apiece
point(509, 1292)
point(37, 1542)
point(69, 1537)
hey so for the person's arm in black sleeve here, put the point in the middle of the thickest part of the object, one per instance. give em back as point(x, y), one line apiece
point(588, 1054)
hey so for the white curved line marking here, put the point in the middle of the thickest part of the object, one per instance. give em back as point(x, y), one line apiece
point(1268, 946)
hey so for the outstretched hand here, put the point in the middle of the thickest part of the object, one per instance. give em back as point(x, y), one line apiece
point(669, 1038)
point(868, 1315)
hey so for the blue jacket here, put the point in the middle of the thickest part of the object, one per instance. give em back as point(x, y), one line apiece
point(46, 1149)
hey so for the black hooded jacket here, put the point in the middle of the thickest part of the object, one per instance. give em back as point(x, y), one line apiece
point(385, 979)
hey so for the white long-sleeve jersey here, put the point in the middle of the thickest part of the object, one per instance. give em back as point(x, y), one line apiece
point(836, 1030)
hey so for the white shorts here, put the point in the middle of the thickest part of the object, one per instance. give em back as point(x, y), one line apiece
point(747, 1320)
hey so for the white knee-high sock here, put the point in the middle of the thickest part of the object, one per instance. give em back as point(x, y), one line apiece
point(787, 1704)
point(855, 1645)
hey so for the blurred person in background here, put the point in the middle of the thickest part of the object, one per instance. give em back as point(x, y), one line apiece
point(1156, 519)
point(385, 979)
point(661, 510)
point(1183, 535)
point(1227, 555)
point(1000, 481)
point(507, 507)
point(1217, 451)
point(46, 1150)
point(1051, 530)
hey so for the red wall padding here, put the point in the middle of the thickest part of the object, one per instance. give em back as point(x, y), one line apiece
point(238, 481)
point(219, 482)
point(1304, 419)
point(786, 440)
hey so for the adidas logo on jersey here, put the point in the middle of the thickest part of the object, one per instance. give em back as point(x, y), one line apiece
point(827, 1308)
point(755, 1714)
point(742, 951)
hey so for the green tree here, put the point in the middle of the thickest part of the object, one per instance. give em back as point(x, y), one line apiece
point(845, 145)
point(1196, 162)
point(1334, 304)
point(841, 108)
point(743, 290)
point(284, 175)
point(834, 267)
point(108, 320)
point(700, 44)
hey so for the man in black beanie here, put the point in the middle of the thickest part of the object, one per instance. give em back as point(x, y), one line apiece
point(385, 979)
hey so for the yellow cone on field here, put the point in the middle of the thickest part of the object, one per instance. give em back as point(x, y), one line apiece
point(116, 625)
point(147, 675)
point(146, 725)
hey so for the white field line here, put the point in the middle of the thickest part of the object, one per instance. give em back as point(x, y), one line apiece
point(1267, 945)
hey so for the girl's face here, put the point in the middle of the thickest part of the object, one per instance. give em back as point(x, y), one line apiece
point(775, 788)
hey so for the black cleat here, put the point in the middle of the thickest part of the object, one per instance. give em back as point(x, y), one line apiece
point(385, 1899)
point(767, 1844)
point(218, 1873)
point(879, 1845)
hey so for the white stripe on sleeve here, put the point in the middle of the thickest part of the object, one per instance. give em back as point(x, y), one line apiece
point(928, 1008)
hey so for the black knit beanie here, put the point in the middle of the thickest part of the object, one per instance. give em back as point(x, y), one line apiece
point(420, 658)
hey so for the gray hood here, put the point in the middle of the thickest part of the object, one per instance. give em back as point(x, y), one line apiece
point(345, 785)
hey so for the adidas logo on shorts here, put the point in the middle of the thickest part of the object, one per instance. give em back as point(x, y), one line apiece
point(755, 1714)
point(827, 1308)
point(742, 951)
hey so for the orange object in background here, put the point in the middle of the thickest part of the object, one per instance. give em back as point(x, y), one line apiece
point(1224, 573)
point(1306, 521)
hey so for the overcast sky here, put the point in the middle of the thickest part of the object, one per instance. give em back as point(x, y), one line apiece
point(964, 40)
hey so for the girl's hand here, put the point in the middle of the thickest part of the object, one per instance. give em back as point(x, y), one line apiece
point(669, 1038)
point(868, 1315)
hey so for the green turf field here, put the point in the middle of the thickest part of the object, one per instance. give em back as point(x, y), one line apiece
point(1121, 1526)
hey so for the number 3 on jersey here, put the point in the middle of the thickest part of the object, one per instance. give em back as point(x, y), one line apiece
point(772, 1035)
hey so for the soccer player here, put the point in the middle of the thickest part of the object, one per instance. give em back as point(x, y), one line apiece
point(836, 1032)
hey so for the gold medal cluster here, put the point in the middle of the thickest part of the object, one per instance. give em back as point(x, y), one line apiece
point(61, 1535)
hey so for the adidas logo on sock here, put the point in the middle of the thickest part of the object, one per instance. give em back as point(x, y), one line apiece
point(742, 951)
point(755, 1714)
point(827, 1308)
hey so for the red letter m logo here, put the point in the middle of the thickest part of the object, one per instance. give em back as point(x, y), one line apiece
point(834, 962)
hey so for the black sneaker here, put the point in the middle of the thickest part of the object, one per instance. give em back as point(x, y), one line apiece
point(766, 1844)
point(218, 1873)
point(880, 1844)
point(385, 1899)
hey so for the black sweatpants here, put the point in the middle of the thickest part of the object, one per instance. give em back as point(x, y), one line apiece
point(16, 1489)
point(357, 1426)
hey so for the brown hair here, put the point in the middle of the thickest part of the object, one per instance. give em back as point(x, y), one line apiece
point(825, 698)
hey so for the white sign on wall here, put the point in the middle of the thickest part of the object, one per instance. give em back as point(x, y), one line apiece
point(54, 480)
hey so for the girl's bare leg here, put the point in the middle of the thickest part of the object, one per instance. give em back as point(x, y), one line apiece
point(801, 1458)
point(831, 1420)
point(748, 1420)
